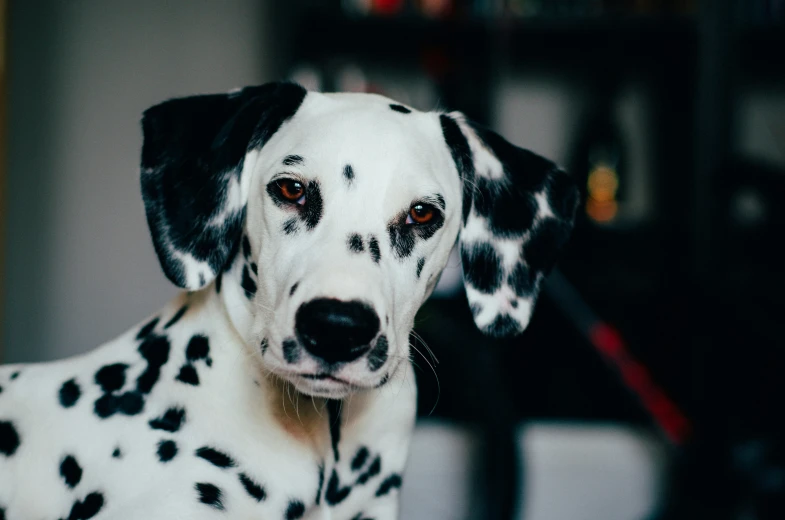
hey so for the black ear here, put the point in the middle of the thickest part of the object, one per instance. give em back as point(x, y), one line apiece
point(195, 174)
point(518, 213)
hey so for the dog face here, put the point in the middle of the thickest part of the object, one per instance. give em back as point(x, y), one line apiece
point(335, 214)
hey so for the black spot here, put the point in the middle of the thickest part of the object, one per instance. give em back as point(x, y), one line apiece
point(264, 345)
point(476, 309)
point(482, 266)
point(198, 348)
point(69, 393)
point(155, 350)
point(348, 173)
point(334, 418)
point(210, 494)
point(215, 457)
point(312, 212)
point(509, 210)
point(117, 454)
point(402, 238)
point(218, 280)
point(70, 471)
point(360, 458)
point(170, 421)
point(384, 381)
point(373, 247)
point(295, 510)
point(246, 247)
point(166, 450)
point(249, 286)
point(321, 484)
point(128, 403)
point(503, 326)
point(290, 226)
point(9, 438)
point(420, 265)
point(521, 279)
point(440, 201)
point(179, 314)
point(545, 243)
point(14, 375)
point(514, 304)
point(254, 268)
point(291, 160)
point(106, 406)
point(202, 280)
point(361, 516)
point(400, 108)
point(111, 377)
point(462, 156)
point(392, 482)
point(188, 375)
point(378, 355)
point(336, 493)
point(294, 288)
point(374, 469)
point(252, 488)
point(291, 351)
point(355, 242)
point(87, 508)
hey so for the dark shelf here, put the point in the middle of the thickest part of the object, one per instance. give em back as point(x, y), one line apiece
point(404, 38)
point(571, 44)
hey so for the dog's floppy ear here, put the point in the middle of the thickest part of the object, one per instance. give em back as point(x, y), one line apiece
point(518, 212)
point(194, 183)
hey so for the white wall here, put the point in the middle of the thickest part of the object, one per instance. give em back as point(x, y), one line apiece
point(80, 266)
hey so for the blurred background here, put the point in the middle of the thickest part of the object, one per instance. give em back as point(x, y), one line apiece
point(650, 384)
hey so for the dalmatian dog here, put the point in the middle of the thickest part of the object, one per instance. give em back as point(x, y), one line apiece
point(306, 229)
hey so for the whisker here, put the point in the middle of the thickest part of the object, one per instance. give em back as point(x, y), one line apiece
point(435, 375)
point(424, 344)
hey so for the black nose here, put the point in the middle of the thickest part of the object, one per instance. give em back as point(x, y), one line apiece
point(336, 331)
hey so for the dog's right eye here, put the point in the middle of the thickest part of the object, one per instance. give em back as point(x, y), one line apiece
point(291, 190)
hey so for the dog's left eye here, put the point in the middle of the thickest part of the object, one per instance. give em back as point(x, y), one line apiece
point(291, 190)
point(420, 214)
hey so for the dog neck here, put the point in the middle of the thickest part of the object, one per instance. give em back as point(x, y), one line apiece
point(235, 288)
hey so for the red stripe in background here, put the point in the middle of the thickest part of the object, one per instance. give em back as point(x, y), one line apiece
point(666, 414)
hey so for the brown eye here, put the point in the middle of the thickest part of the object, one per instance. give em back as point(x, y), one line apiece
point(291, 189)
point(421, 214)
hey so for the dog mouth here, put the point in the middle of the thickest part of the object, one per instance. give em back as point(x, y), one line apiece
point(324, 376)
point(324, 384)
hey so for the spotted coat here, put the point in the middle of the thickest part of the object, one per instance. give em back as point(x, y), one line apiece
point(276, 209)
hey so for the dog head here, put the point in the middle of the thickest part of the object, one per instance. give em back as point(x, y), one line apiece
point(329, 218)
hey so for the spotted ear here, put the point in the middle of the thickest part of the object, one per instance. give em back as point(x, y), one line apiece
point(518, 212)
point(194, 176)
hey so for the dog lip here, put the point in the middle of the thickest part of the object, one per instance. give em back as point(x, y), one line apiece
point(322, 376)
